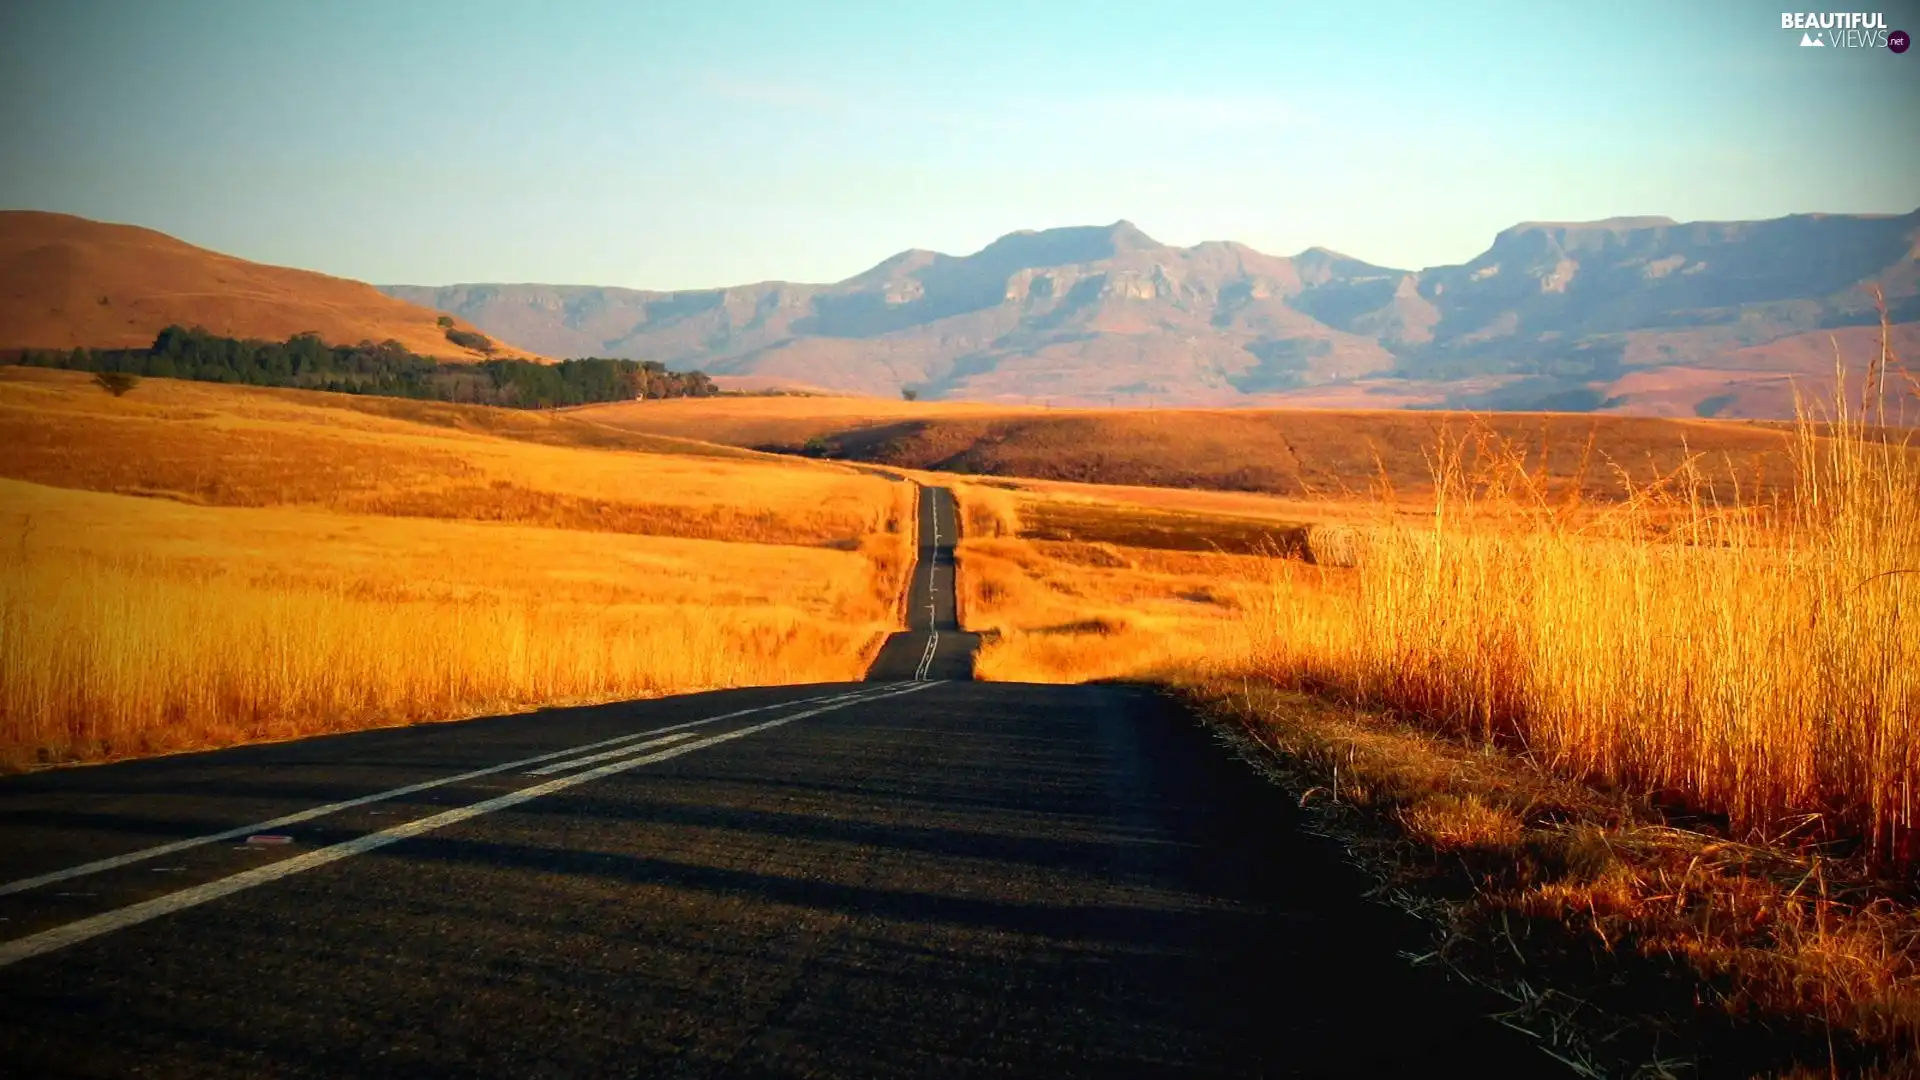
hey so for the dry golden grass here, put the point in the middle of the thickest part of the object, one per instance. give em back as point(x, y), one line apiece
point(309, 568)
point(229, 446)
point(1751, 661)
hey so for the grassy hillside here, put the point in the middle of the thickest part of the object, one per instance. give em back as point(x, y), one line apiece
point(66, 281)
point(192, 565)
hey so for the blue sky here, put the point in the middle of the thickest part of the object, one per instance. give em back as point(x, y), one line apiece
point(669, 146)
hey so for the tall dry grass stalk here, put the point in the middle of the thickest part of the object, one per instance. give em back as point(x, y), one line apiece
point(112, 659)
point(1753, 658)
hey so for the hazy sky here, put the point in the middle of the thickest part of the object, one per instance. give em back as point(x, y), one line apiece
point(676, 146)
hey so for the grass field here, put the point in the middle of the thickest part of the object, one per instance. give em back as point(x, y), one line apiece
point(193, 565)
point(1067, 591)
point(773, 421)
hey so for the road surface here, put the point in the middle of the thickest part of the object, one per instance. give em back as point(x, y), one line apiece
point(915, 876)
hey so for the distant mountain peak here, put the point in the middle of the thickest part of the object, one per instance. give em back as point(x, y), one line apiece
point(1612, 224)
point(1324, 254)
point(1317, 264)
point(906, 262)
point(1067, 245)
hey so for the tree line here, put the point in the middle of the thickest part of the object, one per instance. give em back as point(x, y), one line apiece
point(388, 369)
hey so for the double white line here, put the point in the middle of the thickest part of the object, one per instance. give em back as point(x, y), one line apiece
point(933, 611)
point(628, 757)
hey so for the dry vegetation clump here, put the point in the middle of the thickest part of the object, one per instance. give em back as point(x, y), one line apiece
point(1334, 545)
point(987, 513)
point(249, 566)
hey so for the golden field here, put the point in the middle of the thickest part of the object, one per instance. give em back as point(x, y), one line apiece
point(193, 565)
point(781, 420)
point(1751, 661)
point(1082, 607)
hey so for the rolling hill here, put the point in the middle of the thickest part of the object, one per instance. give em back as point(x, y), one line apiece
point(1289, 453)
point(67, 281)
point(1627, 314)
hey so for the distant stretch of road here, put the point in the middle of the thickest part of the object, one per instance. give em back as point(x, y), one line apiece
point(914, 876)
point(933, 646)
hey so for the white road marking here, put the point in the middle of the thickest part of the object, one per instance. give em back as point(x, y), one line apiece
point(619, 751)
point(12, 952)
point(297, 817)
point(926, 658)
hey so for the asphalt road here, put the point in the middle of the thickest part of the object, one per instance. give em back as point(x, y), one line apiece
point(933, 646)
point(912, 877)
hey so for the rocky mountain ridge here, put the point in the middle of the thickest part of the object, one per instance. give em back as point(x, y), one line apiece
point(1552, 314)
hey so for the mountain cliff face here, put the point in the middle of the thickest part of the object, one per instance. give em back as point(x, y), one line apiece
point(1552, 315)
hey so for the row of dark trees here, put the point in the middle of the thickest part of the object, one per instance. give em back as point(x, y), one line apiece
point(388, 369)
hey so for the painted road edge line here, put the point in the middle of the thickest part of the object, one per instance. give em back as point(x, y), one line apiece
point(12, 952)
point(117, 861)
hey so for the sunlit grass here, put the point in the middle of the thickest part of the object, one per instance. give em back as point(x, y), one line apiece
point(288, 568)
point(1750, 659)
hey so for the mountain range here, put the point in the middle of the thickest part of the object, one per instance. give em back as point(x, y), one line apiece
point(1633, 315)
point(1640, 314)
